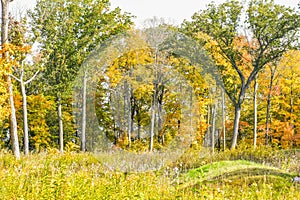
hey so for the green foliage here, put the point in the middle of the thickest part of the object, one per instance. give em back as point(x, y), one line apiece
point(68, 120)
point(275, 29)
point(68, 31)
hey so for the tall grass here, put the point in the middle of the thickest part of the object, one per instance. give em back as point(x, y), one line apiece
point(283, 159)
point(94, 176)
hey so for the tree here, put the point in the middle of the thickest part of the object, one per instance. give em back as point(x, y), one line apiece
point(285, 95)
point(68, 31)
point(273, 29)
point(24, 103)
point(17, 38)
point(142, 93)
point(155, 37)
point(273, 69)
point(4, 43)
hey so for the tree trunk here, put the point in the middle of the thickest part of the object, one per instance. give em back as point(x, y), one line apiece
point(24, 100)
point(139, 130)
point(223, 120)
point(138, 119)
point(191, 112)
point(159, 121)
point(214, 113)
point(292, 106)
point(208, 126)
point(25, 120)
point(152, 126)
point(269, 105)
point(236, 125)
point(83, 120)
point(125, 115)
point(159, 114)
point(13, 119)
point(4, 24)
point(60, 124)
point(119, 121)
point(132, 111)
point(129, 115)
point(292, 120)
point(255, 111)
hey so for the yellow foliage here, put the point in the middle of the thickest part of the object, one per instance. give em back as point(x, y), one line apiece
point(6, 64)
point(4, 109)
point(38, 106)
point(71, 147)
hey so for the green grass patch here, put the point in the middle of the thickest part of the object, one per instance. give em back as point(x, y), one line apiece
point(217, 168)
point(236, 167)
point(248, 179)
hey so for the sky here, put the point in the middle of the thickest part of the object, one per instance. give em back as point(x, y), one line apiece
point(20, 6)
point(173, 11)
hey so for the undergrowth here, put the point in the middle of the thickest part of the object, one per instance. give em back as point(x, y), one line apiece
point(245, 173)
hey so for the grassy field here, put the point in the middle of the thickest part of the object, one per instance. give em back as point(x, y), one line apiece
point(240, 174)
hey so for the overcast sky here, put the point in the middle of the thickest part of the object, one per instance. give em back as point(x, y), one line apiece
point(173, 10)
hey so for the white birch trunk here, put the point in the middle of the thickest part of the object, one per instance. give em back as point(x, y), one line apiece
point(152, 127)
point(25, 120)
point(13, 120)
point(83, 120)
point(214, 113)
point(60, 125)
point(223, 120)
point(129, 125)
